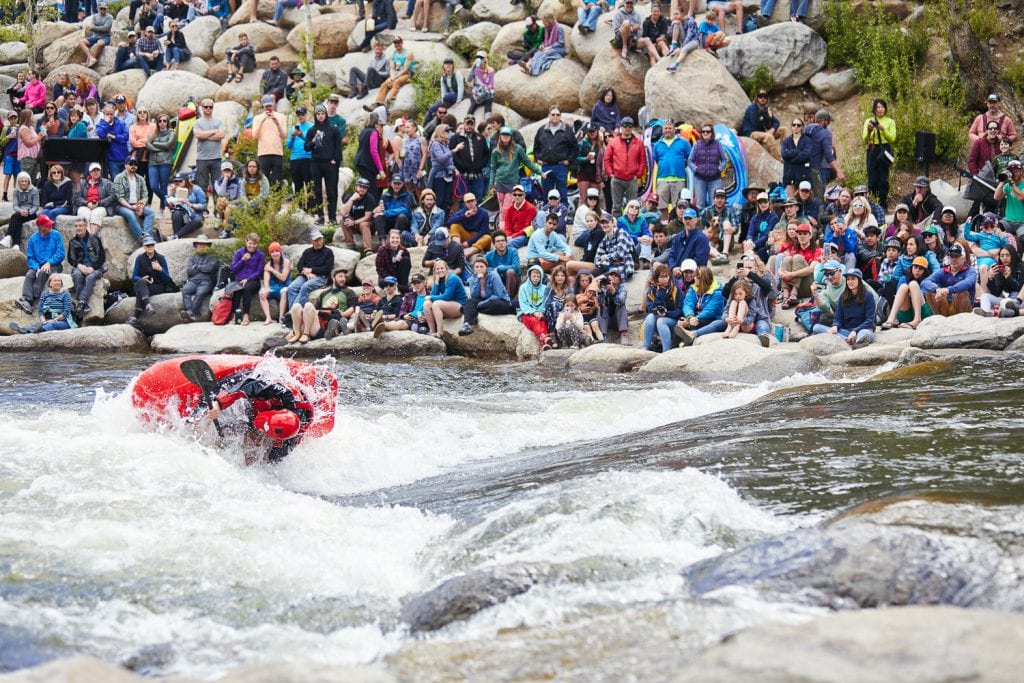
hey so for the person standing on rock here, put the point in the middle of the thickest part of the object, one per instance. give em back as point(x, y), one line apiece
point(45, 255)
point(625, 162)
point(707, 162)
point(554, 146)
point(115, 132)
point(587, 14)
point(879, 135)
point(994, 113)
point(87, 259)
point(270, 130)
point(209, 133)
point(671, 154)
point(299, 164)
point(823, 154)
point(323, 142)
point(97, 36)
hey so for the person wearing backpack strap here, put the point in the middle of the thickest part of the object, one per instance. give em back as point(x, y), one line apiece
point(993, 113)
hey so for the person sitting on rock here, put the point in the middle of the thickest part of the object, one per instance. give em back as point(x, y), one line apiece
point(721, 219)
point(690, 242)
point(547, 246)
point(685, 37)
point(227, 190)
point(365, 306)
point(314, 267)
point(551, 50)
point(761, 125)
point(626, 28)
point(712, 37)
point(442, 248)
point(54, 309)
point(838, 233)
point(426, 218)
point(188, 206)
point(553, 207)
point(132, 200)
point(854, 319)
point(447, 297)
point(393, 211)
point(393, 260)
point(727, 6)
point(760, 302)
point(326, 313)
point(87, 259)
point(797, 269)
point(1004, 286)
point(277, 275)
point(403, 66)
point(247, 271)
point(97, 35)
point(362, 82)
point(410, 315)
point(505, 261)
point(908, 306)
point(532, 295)
point(655, 34)
point(241, 58)
point(662, 306)
point(389, 306)
point(587, 14)
point(950, 290)
point(487, 294)
point(829, 290)
point(703, 306)
point(94, 199)
point(150, 276)
point(357, 211)
point(45, 255)
point(200, 270)
point(470, 225)
point(25, 204)
point(611, 302)
point(760, 227)
point(274, 80)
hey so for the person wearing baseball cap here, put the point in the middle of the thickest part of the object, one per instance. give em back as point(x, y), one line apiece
point(721, 220)
point(314, 268)
point(200, 271)
point(517, 218)
point(920, 201)
point(689, 242)
point(624, 162)
point(760, 226)
point(671, 154)
point(45, 252)
point(992, 114)
point(131, 200)
point(853, 318)
point(554, 206)
point(300, 165)
point(471, 226)
point(950, 290)
point(270, 130)
point(393, 211)
point(759, 123)
point(796, 272)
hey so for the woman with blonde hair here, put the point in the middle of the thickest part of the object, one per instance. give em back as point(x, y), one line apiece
point(860, 216)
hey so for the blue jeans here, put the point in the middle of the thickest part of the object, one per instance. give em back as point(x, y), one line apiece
point(174, 55)
point(588, 17)
point(760, 327)
point(282, 5)
point(133, 221)
point(299, 289)
point(114, 167)
point(707, 328)
point(53, 213)
point(51, 325)
point(557, 178)
point(478, 186)
point(863, 335)
point(767, 7)
point(704, 190)
point(158, 178)
point(662, 326)
point(518, 242)
point(798, 8)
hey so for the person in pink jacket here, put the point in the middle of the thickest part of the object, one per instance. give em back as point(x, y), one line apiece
point(35, 93)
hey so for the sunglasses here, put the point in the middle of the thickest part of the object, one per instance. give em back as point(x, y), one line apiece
point(762, 201)
point(830, 273)
point(555, 113)
point(391, 284)
point(518, 194)
point(797, 124)
point(207, 106)
point(705, 132)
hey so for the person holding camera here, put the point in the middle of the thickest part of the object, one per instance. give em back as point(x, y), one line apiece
point(1013, 191)
point(663, 306)
point(481, 84)
point(879, 134)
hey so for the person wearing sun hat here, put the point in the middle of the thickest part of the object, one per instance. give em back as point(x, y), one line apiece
point(199, 273)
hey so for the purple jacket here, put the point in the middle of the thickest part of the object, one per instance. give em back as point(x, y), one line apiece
point(248, 270)
point(707, 159)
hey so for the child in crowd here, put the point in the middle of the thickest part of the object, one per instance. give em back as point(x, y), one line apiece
point(366, 306)
point(588, 305)
point(532, 294)
point(712, 38)
point(742, 292)
point(569, 327)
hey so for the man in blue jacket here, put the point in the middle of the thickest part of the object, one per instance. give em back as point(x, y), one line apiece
point(670, 154)
point(691, 243)
point(115, 132)
point(761, 125)
point(951, 290)
point(486, 295)
point(45, 254)
point(394, 212)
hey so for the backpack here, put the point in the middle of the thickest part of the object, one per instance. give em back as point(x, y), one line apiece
point(221, 276)
point(807, 315)
point(221, 312)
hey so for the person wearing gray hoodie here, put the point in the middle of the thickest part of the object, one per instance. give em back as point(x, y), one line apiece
point(199, 273)
point(25, 202)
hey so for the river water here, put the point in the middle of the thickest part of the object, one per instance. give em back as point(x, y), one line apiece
point(159, 551)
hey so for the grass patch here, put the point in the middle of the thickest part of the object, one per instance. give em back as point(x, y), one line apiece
point(1014, 74)
point(762, 79)
point(984, 21)
point(427, 82)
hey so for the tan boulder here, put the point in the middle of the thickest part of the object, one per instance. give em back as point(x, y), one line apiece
point(99, 339)
point(205, 337)
point(262, 37)
point(264, 10)
point(243, 93)
point(128, 83)
point(792, 52)
point(13, 52)
point(762, 167)
point(432, 52)
point(495, 336)
point(47, 32)
point(200, 35)
point(702, 90)
point(532, 96)
point(197, 66)
point(585, 47)
point(498, 11)
point(626, 76)
point(165, 91)
point(330, 35)
point(564, 10)
point(12, 263)
point(479, 36)
point(398, 344)
point(296, 16)
point(609, 358)
point(288, 56)
point(62, 51)
point(509, 37)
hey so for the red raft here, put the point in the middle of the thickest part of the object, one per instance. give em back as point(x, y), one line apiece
point(163, 394)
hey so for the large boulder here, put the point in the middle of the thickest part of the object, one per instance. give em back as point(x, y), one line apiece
point(12, 263)
point(509, 37)
point(834, 85)
point(433, 52)
point(296, 16)
point(532, 96)
point(118, 242)
point(403, 344)
point(625, 75)
point(727, 359)
point(701, 91)
point(264, 9)
point(241, 93)
point(871, 356)
point(165, 91)
point(967, 331)
point(949, 196)
point(609, 358)
point(478, 36)
point(921, 644)
point(495, 336)
point(128, 83)
point(197, 66)
point(46, 32)
point(13, 70)
point(792, 52)
point(498, 11)
point(762, 167)
point(262, 37)
point(166, 313)
point(200, 35)
point(13, 52)
point(585, 47)
point(103, 339)
point(564, 10)
point(330, 35)
point(824, 344)
point(63, 51)
point(210, 338)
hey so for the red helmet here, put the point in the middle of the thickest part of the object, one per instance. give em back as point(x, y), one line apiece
point(278, 424)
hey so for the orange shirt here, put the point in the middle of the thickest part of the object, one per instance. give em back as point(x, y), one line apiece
point(139, 134)
point(269, 138)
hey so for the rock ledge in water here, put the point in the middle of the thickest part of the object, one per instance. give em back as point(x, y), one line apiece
point(912, 644)
point(99, 339)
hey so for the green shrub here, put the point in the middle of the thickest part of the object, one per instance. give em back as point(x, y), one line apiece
point(1014, 74)
point(13, 33)
point(115, 6)
point(272, 218)
point(427, 81)
point(762, 79)
point(984, 20)
point(940, 114)
point(840, 31)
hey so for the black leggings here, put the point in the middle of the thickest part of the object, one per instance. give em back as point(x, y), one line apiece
point(325, 176)
point(183, 227)
point(14, 227)
point(242, 299)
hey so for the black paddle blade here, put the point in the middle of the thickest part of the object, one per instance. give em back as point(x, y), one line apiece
point(201, 374)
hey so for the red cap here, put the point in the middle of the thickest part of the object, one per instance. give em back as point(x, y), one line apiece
point(803, 227)
point(44, 221)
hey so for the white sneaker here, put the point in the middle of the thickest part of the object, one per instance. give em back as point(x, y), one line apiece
point(6, 242)
point(16, 248)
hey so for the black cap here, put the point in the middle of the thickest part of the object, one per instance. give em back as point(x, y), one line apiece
point(396, 178)
point(131, 161)
point(872, 229)
point(955, 249)
point(300, 111)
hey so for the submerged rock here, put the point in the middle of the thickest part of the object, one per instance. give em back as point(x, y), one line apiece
point(854, 563)
point(461, 597)
point(907, 645)
point(732, 360)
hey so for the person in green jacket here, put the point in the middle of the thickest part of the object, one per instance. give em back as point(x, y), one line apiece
point(879, 135)
point(507, 160)
point(161, 146)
